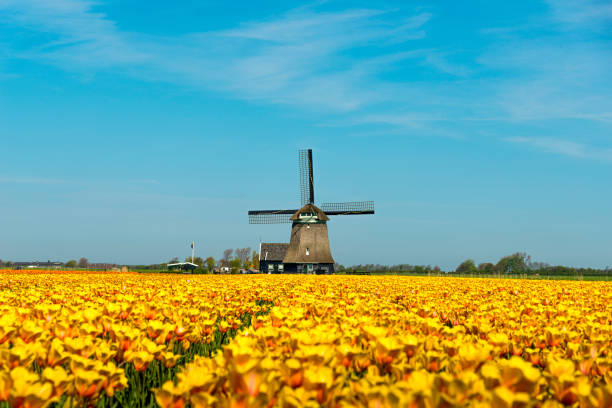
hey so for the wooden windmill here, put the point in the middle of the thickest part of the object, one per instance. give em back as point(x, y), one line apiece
point(308, 250)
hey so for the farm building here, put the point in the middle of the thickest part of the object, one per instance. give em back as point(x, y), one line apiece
point(271, 257)
point(37, 264)
point(184, 266)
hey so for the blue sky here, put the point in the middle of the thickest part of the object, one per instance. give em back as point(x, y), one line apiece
point(478, 128)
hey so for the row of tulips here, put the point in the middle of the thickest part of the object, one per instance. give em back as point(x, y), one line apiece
point(108, 340)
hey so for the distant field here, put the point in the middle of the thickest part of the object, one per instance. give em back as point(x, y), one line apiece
point(129, 339)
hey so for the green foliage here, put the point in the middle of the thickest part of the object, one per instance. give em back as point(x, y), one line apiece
point(235, 265)
point(255, 260)
point(486, 268)
point(210, 264)
point(515, 263)
point(467, 267)
point(196, 260)
point(71, 263)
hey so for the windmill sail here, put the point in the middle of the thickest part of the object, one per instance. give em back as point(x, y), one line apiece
point(348, 208)
point(270, 216)
point(306, 177)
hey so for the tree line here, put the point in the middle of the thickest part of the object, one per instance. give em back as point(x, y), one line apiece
point(518, 263)
point(233, 260)
point(82, 263)
point(377, 268)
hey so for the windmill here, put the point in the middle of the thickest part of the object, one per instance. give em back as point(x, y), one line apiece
point(308, 250)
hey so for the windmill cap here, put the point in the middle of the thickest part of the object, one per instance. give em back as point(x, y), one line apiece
point(310, 208)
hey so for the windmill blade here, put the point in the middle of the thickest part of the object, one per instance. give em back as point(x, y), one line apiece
point(270, 216)
point(349, 208)
point(310, 177)
point(306, 177)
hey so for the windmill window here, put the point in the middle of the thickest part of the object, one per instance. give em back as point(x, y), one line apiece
point(307, 251)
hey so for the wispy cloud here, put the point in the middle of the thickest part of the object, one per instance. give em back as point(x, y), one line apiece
point(30, 180)
point(553, 74)
point(75, 32)
point(564, 147)
point(343, 63)
point(45, 180)
point(300, 58)
point(579, 12)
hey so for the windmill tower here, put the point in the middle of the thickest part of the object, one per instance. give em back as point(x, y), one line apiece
point(308, 250)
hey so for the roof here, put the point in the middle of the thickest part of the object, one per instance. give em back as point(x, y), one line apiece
point(272, 252)
point(310, 208)
point(183, 264)
point(37, 263)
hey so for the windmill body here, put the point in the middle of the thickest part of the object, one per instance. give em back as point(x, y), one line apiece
point(308, 250)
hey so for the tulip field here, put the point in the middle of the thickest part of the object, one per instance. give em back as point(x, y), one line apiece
point(143, 340)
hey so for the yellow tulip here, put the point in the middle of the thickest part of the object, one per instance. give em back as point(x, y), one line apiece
point(61, 381)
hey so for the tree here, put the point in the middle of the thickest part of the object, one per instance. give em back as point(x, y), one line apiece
point(173, 260)
point(71, 264)
point(83, 262)
point(210, 264)
point(255, 260)
point(538, 265)
point(466, 267)
point(515, 263)
point(227, 257)
point(235, 265)
point(486, 268)
point(196, 260)
point(243, 255)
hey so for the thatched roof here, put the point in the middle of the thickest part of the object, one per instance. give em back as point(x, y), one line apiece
point(272, 252)
point(310, 208)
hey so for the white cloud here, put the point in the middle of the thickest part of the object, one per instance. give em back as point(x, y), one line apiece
point(564, 147)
